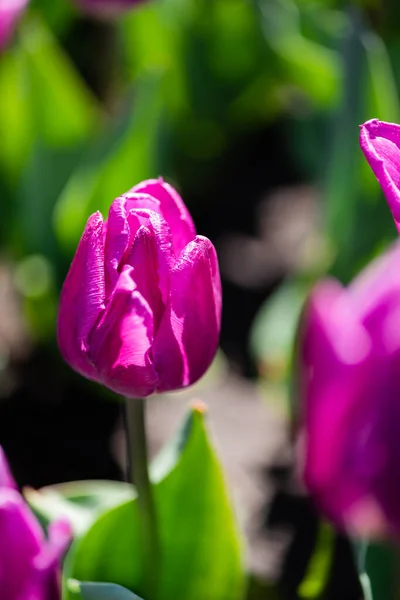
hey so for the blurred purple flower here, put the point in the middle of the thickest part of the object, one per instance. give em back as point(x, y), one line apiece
point(350, 387)
point(140, 310)
point(380, 143)
point(6, 479)
point(106, 8)
point(29, 563)
point(10, 12)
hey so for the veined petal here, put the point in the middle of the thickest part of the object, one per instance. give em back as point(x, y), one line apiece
point(162, 257)
point(173, 210)
point(21, 538)
point(188, 336)
point(82, 297)
point(116, 242)
point(144, 261)
point(120, 345)
point(122, 225)
point(380, 143)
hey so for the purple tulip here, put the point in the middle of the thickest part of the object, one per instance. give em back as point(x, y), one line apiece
point(29, 563)
point(10, 12)
point(350, 386)
point(106, 8)
point(140, 310)
point(380, 143)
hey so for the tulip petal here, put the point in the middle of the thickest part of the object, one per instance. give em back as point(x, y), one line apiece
point(143, 259)
point(376, 292)
point(6, 478)
point(21, 538)
point(335, 354)
point(380, 143)
point(161, 260)
point(188, 336)
point(172, 208)
point(116, 242)
point(45, 581)
point(82, 297)
point(120, 345)
point(122, 225)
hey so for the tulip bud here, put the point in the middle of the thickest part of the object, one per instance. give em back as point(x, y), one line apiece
point(29, 563)
point(10, 12)
point(140, 309)
point(106, 8)
point(350, 389)
point(380, 143)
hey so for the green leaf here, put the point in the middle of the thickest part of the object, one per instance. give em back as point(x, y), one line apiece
point(125, 155)
point(200, 545)
point(64, 110)
point(80, 501)
point(272, 338)
point(376, 565)
point(43, 97)
point(309, 65)
point(319, 568)
point(83, 590)
point(15, 116)
point(360, 549)
point(34, 199)
point(357, 219)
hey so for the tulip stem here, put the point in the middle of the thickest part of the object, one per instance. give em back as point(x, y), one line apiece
point(139, 476)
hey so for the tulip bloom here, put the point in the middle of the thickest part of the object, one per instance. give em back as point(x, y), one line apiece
point(380, 143)
point(106, 8)
point(350, 387)
point(140, 309)
point(29, 563)
point(10, 12)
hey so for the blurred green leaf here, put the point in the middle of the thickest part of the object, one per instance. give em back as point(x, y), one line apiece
point(351, 191)
point(272, 338)
point(36, 195)
point(319, 568)
point(79, 501)
point(200, 545)
point(45, 104)
point(377, 567)
point(34, 281)
point(83, 590)
point(360, 552)
point(383, 97)
point(309, 65)
point(57, 14)
point(149, 37)
point(124, 155)
point(64, 111)
point(16, 127)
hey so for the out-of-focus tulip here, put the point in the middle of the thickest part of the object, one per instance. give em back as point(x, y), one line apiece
point(10, 11)
point(106, 8)
point(140, 309)
point(6, 479)
point(29, 563)
point(380, 143)
point(350, 386)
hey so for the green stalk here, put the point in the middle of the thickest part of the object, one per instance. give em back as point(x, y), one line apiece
point(139, 475)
